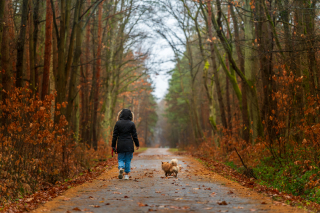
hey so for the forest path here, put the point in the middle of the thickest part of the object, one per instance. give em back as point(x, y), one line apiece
point(195, 190)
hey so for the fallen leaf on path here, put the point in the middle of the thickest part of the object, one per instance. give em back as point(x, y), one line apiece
point(252, 210)
point(76, 209)
point(107, 204)
point(66, 199)
point(102, 201)
point(212, 194)
point(141, 204)
point(209, 208)
point(29, 200)
point(222, 203)
point(239, 207)
point(117, 193)
point(230, 192)
point(95, 206)
point(126, 197)
point(263, 203)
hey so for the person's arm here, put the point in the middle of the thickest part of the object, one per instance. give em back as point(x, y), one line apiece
point(135, 136)
point(115, 137)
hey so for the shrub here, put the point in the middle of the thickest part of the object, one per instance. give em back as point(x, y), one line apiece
point(33, 149)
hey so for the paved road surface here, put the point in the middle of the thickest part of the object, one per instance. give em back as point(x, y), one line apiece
point(195, 190)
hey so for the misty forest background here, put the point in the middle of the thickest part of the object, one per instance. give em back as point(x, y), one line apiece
point(244, 83)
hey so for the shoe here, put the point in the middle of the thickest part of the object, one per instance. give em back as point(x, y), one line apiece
point(126, 177)
point(120, 173)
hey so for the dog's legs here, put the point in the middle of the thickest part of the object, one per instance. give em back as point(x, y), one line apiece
point(166, 174)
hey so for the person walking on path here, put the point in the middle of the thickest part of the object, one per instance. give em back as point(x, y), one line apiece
point(124, 135)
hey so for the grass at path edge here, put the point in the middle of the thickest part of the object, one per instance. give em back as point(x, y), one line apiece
point(230, 173)
point(176, 151)
point(141, 149)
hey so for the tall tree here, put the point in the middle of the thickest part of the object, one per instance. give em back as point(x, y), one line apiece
point(20, 44)
point(48, 50)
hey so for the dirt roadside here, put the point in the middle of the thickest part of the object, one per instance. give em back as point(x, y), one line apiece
point(195, 190)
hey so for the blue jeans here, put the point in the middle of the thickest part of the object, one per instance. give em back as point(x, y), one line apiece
point(124, 160)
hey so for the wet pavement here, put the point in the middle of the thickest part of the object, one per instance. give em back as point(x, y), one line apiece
point(195, 190)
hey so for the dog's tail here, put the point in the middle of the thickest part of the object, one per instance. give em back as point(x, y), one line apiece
point(175, 169)
point(174, 162)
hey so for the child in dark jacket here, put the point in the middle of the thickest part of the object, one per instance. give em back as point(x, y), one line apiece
point(125, 134)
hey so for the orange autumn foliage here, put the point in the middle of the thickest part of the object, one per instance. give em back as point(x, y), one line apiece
point(34, 151)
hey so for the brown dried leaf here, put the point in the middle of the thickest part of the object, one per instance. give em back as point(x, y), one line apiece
point(212, 194)
point(222, 203)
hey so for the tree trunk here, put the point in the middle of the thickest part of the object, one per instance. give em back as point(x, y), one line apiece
point(61, 77)
point(214, 66)
point(20, 44)
point(311, 45)
point(229, 120)
point(72, 108)
point(47, 51)
point(244, 110)
point(2, 21)
point(265, 38)
point(92, 92)
point(52, 84)
point(31, 49)
point(35, 41)
point(6, 50)
point(86, 105)
point(249, 68)
point(96, 95)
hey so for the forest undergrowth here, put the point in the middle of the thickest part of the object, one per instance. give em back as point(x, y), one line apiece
point(285, 158)
point(288, 163)
point(35, 153)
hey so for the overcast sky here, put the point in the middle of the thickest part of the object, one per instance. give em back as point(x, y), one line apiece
point(160, 55)
point(161, 59)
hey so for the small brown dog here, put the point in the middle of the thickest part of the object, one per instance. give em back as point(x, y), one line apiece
point(171, 168)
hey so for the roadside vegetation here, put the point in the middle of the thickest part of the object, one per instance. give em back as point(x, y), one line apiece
point(67, 67)
point(142, 149)
point(244, 90)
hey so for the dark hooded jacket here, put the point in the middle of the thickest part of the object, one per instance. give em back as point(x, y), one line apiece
point(125, 132)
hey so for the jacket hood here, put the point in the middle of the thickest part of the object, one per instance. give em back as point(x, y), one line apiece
point(125, 114)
